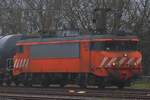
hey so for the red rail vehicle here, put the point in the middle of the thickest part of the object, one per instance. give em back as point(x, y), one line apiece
point(101, 60)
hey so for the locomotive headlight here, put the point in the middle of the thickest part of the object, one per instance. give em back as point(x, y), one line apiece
point(125, 55)
point(113, 64)
point(135, 64)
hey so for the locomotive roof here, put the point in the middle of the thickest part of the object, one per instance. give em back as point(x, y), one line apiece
point(84, 37)
point(7, 39)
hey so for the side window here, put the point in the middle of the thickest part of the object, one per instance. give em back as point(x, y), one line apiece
point(20, 49)
point(67, 50)
point(97, 46)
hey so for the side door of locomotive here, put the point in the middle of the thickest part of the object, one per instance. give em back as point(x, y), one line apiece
point(94, 54)
point(98, 58)
point(85, 56)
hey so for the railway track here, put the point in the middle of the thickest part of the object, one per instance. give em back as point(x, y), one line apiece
point(22, 93)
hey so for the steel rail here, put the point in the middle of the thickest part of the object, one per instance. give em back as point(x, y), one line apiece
point(72, 93)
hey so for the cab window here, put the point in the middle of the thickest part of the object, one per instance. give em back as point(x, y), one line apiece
point(62, 50)
point(115, 45)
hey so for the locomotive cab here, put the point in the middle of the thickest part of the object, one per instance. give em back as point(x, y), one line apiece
point(116, 59)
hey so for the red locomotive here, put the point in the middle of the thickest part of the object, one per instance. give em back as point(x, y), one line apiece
point(102, 60)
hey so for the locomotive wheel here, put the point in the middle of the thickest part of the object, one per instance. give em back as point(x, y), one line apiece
point(82, 85)
point(101, 86)
point(1, 83)
point(120, 86)
point(63, 79)
point(1, 80)
point(101, 83)
point(16, 83)
point(27, 84)
point(8, 83)
point(82, 81)
point(45, 84)
point(27, 80)
point(63, 83)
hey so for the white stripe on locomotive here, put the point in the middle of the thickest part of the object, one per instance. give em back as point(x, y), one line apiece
point(20, 64)
point(15, 63)
point(103, 61)
point(139, 60)
point(24, 62)
point(111, 61)
point(130, 61)
point(122, 60)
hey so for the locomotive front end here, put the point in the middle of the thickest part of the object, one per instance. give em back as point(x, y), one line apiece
point(117, 60)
